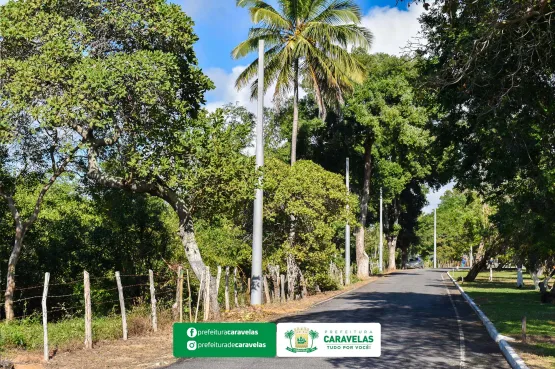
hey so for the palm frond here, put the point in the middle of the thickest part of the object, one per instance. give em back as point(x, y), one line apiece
point(346, 35)
point(271, 39)
point(251, 71)
point(266, 14)
point(339, 12)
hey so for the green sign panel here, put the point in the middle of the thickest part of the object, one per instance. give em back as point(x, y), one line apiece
point(224, 340)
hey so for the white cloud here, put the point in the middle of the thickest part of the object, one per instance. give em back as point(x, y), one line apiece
point(226, 92)
point(434, 198)
point(392, 27)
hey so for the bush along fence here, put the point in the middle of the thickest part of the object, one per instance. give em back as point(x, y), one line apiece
point(176, 291)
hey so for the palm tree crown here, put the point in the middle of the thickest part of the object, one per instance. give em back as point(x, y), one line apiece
point(306, 39)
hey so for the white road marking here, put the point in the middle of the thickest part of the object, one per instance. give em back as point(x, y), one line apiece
point(459, 322)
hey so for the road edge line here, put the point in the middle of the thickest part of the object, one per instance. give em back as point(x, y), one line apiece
point(514, 360)
point(462, 348)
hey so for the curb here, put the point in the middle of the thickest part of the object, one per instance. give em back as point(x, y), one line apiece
point(510, 354)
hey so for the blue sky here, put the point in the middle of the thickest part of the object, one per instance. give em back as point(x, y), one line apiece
point(221, 26)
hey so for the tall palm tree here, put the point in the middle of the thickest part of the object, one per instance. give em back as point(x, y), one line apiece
point(306, 39)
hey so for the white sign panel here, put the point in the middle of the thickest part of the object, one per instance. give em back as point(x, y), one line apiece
point(329, 339)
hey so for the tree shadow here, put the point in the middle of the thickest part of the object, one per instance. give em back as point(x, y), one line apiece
point(419, 330)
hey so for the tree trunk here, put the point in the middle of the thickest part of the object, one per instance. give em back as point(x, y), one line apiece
point(363, 268)
point(392, 246)
point(188, 239)
point(404, 257)
point(548, 278)
point(186, 230)
point(519, 278)
point(480, 264)
point(534, 272)
point(12, 262)
point(361, 256)
point(295, 114)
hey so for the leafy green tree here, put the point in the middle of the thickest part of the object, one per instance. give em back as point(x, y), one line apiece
point(33, 156)
point(497, 104)
point(83, 227)
point(123, 77)
point(412, 200)
point(318, 201)
point(305, 39)
point(460, 226)
point(392, 136)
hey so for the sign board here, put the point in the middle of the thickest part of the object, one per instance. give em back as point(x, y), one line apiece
point(224, 339)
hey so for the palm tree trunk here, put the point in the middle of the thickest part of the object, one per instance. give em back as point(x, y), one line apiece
point(295, 114)
point(12, 262)
point(361, 256)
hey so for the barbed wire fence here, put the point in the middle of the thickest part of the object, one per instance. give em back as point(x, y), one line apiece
point(56, 300)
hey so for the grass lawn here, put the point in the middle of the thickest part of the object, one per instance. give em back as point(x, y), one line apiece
point(505, 305)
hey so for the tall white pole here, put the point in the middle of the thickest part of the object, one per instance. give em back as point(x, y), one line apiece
point(435, 238)
point(347, 234)
point(381, 231)
point(471, 257)
point(256, 274)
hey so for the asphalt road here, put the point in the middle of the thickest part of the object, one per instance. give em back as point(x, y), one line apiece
point(420, 329)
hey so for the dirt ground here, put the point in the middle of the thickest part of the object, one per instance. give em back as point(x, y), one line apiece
point(155, 350)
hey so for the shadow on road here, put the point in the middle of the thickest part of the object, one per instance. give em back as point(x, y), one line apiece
point(419, 328)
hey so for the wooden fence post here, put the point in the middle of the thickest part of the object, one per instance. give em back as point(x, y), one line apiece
point(189, 299)
point(207, 294)
point(199, 295)
point(88, 311)
point(266, 290)
point(524, 329)
point(282, 277)
point(226, 292)
point(44, 315)
point(180, 293)
point(218, 277)
point(153, 301)
point(122, 306)
point(235, 292)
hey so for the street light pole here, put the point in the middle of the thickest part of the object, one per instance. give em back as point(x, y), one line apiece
point(347, 234)
point(435, 238)
point(381, 231)
point(256, 270)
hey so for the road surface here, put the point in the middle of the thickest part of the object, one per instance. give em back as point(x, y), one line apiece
point(418, 312)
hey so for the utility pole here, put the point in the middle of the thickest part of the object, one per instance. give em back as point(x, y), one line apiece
point(347, 233)
point(381, 231)
point(256, 274)
point(435, 238)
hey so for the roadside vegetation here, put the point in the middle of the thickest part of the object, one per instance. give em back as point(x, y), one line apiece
point(68, 334)
point(109, 160)
point(505, 305)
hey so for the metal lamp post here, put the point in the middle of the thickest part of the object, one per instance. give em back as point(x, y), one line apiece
point(256, 273)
